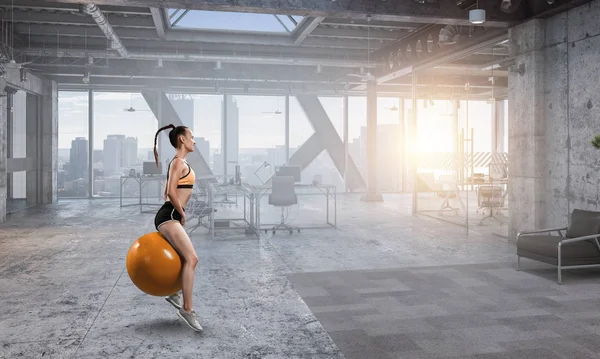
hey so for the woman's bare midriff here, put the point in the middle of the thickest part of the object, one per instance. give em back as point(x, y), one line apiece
point(183, 194)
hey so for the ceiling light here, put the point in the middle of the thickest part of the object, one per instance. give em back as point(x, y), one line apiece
point(86, 77)
point(477, 16)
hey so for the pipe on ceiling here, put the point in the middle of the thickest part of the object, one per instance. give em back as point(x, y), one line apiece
point(106, 28)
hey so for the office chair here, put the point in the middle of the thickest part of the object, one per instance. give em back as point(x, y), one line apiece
point(196, 209)
point(490, 197)
point(283, 194)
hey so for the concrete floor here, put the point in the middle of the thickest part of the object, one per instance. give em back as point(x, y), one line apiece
point(67, 294)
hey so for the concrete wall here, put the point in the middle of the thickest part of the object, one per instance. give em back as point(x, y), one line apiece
point(554, 111)
point(3, 158)
point(49, 127)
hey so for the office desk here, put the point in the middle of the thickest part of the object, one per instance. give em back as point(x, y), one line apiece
point(248, 222)
point(142, 182)
point(329, 191)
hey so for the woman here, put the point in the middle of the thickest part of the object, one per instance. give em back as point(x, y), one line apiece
point(170, 218)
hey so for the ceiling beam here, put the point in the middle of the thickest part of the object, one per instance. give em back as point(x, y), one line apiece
point(191, 71)
point(73, 7)
point(227, 37)
point(445, 12)
point(51, 40)
point(159, 21)
point(195, 57)
point(361, 34)
point(270, 89)
point(128, 69)
point(354, 23)
point(306, 27)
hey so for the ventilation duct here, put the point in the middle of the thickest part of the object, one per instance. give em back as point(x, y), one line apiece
point(108, 30)
point(449, 35)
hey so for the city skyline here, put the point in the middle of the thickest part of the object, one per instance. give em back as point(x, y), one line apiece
point(256, 129)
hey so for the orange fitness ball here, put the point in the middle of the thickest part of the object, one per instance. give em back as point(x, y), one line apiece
point(154, 266)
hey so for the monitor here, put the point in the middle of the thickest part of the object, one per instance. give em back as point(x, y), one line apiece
point(293, 171)
point(151, 169)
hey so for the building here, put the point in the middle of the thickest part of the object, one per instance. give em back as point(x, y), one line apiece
point(112, 152)
point(184, 106)
point(119, 154)
point(130, 152)
point(78, 159)
point(203, 146)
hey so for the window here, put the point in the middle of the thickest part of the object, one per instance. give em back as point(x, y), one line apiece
point(124, 130)
point(232, 21)
point(73, 178)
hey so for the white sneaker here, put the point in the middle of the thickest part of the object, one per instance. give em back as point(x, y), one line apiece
point(175, 299)
point(190, 319)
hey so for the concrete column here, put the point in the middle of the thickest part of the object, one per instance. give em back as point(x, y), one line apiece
point(31, 128)
point(49, 128)
point(413, 143)
point(494, 128)
point(455, 105)
point(91, 143)
point(372, 191)
point(346, 144)
point(526, 153)
point(3, 157)
point(287, 129)
point(402, 140)
point(224, 138)
point(499, 116)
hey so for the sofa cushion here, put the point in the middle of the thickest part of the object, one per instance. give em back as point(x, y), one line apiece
point(583, 223)
point(547, 245)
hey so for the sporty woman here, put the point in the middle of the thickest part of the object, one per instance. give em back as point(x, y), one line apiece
point(170, 218)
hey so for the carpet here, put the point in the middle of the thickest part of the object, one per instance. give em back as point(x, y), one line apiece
point(457, 311)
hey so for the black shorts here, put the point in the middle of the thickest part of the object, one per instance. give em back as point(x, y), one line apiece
point(167, 213)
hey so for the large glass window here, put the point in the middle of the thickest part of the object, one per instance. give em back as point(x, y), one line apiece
point(207, 123)
point(124, 130)
point(357, 133)
point(261, 137)
point(73, 178)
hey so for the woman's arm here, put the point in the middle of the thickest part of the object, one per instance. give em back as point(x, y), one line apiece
point(174, 173)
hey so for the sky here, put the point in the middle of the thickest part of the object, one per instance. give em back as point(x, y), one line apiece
point(256, 128)
point(236, 21)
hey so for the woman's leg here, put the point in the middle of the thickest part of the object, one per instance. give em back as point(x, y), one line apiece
point(175, 233)
point(182, 243)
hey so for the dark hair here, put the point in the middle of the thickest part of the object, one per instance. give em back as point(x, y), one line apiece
point(173, 136)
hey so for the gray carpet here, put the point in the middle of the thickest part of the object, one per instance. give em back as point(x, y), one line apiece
point(463, 311)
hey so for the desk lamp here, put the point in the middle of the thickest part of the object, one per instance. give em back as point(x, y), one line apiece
point(265, 165)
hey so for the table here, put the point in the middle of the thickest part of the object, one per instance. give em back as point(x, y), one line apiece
point(143, 182)
point(248, 222)
point(329, 191)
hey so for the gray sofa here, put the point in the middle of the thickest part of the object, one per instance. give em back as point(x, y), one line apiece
point(577, 248)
